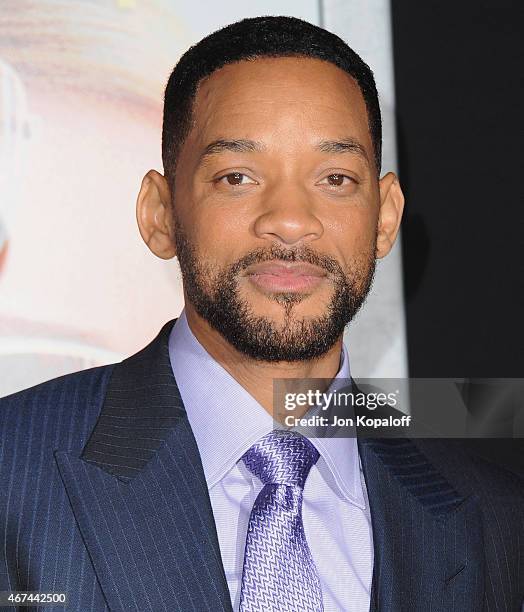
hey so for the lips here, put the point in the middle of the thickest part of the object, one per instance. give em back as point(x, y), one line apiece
point(275, 276)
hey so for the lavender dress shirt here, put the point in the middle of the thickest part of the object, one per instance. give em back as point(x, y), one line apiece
point(226, 420)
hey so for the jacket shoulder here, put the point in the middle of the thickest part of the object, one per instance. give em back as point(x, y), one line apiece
point(469, 465)
point(70, 402)
point(83, 380)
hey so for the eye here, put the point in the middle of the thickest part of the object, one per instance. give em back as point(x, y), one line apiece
point(236, 178)
point(337, 180)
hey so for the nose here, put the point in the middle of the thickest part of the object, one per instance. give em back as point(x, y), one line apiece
point(288, 217)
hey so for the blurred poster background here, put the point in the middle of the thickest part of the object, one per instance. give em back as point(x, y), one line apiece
point(81, 85)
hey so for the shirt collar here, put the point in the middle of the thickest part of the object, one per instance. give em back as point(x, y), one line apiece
point(226, 420)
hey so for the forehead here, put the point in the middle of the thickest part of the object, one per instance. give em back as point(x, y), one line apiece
point(278, 93)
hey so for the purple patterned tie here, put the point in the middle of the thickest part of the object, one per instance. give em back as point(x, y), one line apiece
point(279, 573)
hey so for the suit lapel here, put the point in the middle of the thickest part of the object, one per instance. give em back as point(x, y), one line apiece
point(140, 498)
point(427, 537)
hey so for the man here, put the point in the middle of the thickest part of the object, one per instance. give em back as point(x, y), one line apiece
point(162, 482)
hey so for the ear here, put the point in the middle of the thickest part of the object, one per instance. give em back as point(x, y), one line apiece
point(390, 214)
point(153, 215)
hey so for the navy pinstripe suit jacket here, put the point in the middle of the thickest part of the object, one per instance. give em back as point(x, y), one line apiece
point(103, 497)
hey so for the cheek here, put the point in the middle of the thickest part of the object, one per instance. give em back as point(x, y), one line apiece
point(367, 236)
point(216, 238)
point(355, 234)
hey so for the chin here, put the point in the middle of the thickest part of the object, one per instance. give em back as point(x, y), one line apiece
point(279, 306)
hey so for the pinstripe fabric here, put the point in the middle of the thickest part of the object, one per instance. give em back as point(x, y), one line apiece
point(41, 547)
point(437, 549)
point(142, 405)
point(104, 497)
point(500, 496)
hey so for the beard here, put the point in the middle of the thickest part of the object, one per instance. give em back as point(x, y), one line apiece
point(215, 294)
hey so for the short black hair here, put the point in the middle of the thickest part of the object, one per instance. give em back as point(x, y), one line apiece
point(250, 39)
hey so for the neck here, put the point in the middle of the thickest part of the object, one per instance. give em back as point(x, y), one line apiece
point(257, 376)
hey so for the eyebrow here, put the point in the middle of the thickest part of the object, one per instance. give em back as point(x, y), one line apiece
point(346, 145)
point(238, 145)
point(243, 145)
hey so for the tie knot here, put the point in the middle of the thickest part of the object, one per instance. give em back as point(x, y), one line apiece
point(281, 457)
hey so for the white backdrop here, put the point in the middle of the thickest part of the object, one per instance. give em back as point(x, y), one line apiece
point(377, 338)
point(80, 123)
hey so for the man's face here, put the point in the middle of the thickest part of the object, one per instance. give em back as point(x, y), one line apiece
point(276, 206)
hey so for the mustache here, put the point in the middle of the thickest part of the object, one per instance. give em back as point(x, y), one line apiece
point(276, 252)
